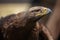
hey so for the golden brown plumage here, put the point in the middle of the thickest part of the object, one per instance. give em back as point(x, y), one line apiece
point(22, 26)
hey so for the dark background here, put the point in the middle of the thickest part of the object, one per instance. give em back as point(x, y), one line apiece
point(48, 3)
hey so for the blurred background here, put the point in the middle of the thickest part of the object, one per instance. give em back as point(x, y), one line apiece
point(8, 7)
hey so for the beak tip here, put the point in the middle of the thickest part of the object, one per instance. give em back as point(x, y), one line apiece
point(49, 11)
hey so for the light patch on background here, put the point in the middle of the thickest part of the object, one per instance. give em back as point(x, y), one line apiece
point(7, 9)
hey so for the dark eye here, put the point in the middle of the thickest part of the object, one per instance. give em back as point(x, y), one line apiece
point(36, 10)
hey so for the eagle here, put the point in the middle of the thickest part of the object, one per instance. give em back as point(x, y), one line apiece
point(25, 25)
